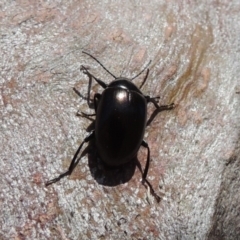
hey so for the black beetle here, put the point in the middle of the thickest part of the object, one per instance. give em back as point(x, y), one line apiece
point(121, 114)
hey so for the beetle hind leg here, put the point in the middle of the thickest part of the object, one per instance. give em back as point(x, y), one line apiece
point(144, 175)
point(74, 161)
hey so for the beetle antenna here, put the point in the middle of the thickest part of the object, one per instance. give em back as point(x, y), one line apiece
point(99, 63)
point(142, 70)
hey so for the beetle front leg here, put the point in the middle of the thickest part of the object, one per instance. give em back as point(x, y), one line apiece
point(99, 81)
point(74, 161)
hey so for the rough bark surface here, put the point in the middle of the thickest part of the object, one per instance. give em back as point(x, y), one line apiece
point(194, 47)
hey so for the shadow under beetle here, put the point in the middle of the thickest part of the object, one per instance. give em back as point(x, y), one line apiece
point(121, 117)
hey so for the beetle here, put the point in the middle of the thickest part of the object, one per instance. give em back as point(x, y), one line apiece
point(121, 117)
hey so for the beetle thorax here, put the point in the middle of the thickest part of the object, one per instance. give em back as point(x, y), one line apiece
point(124, 83)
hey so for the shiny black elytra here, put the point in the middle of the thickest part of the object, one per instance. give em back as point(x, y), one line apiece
point(121, 115)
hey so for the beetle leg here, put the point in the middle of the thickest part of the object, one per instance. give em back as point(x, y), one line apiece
point(166, 107)
point(144, 176)
point(145, 144)
point(74, 161)
point(160, 108)
point(83, 114)
point(99, 81)
point(153, 100)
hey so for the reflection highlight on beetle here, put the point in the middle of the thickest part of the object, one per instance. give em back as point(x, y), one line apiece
point(121, 96)
point(121, 118)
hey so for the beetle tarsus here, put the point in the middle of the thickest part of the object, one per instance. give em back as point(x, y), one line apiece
point(145, 181)
point(57, 178)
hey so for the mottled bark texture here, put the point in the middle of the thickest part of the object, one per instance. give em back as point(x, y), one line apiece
point(194, 47)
